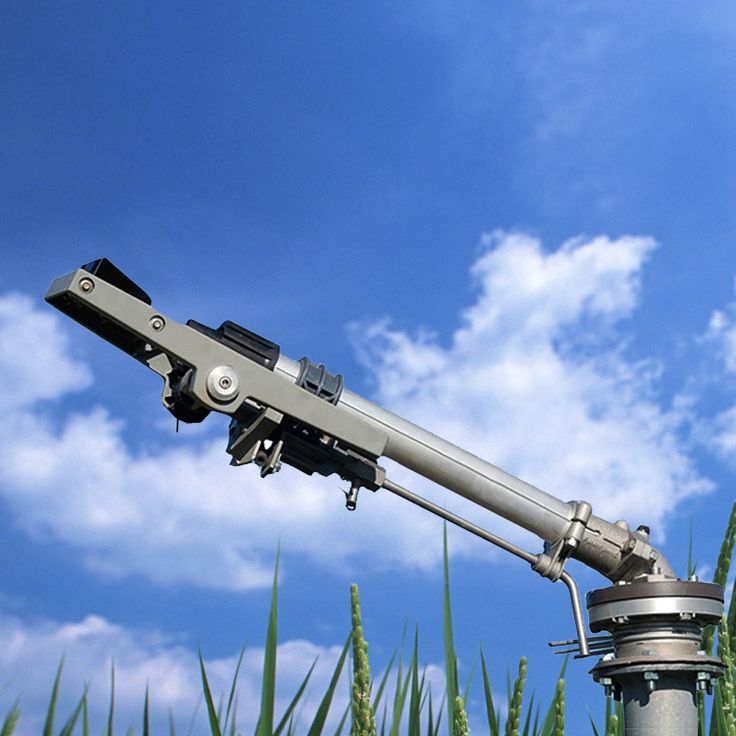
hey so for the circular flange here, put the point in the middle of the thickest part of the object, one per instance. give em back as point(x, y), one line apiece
point(617, 667)
point(699, 602)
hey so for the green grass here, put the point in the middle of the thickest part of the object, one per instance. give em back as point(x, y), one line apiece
point(402, 702)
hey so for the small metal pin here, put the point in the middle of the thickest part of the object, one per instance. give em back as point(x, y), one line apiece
point(351, 497)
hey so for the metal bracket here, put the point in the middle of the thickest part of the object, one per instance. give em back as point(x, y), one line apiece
point(551, 563)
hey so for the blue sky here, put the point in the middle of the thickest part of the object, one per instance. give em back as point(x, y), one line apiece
point(512, 223)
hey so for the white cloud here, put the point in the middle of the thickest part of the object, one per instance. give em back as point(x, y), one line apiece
point(30, 652)
point(177, 515)
point(720, 433)
point(34, 360)
point(533, 380)
point(722, 332)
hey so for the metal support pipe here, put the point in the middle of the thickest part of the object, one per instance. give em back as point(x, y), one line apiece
point(657, 665)
point(459, 521)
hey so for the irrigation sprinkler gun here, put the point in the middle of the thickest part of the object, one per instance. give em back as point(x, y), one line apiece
point(301, 414)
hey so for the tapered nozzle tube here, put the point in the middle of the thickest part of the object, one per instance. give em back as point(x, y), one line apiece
point(604, 546)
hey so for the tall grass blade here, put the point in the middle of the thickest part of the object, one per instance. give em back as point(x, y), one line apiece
point(234, 720)
point(68, 727)
point(111, 710)
point(211, 712)
point(535, 730)
point(233, 686)
point(720, 576)
point(268, 689)
point(592, 725)
point(470, 680)
point(402, 688)
point(48, 726)
point(731, 615)
point(415, 697)
point(292, 705)
point(430, 716)
point(11, 720)
point(146, 720)
point(528, 721)
point(343, 720)
point(450, 656)
point(172, 728)
point(490, 708)
point(382, 684)
point(320, 717)
point(691, 566)
point(438, 722)
point(85, 716)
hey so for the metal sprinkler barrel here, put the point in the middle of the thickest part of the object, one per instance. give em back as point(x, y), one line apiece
point(300, 414)
point(657, 667)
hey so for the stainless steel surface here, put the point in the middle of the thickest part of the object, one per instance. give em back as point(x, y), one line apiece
point(657, 665)
point(222, 383)
point(565, 577)
point(668, 710)
point(603, 544)
point(655, 606)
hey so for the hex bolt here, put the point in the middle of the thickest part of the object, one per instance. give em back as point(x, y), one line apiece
point(86, 285)
point(157, 323)
point(651, 680)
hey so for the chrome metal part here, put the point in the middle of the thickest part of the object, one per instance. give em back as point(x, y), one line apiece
point(222, 383)
point(532, 559)
point(612, 549)
point(351, 497)
point(657, 667)
point(157, 323)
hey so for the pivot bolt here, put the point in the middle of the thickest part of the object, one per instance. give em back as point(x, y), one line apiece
point(86, 285)
point(222, 383)
point(157, 323)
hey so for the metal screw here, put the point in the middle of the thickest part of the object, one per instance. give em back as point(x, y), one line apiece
point(222, 383)
point(86, 285)
point(157, 323)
